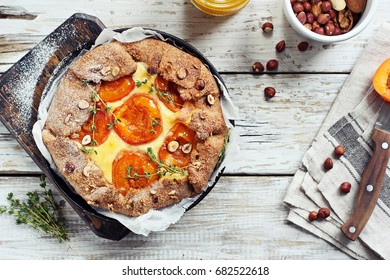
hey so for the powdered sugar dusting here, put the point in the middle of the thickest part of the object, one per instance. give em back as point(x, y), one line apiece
point(30, 71)
point(24, 83)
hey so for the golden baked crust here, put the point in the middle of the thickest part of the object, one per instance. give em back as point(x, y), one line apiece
point(71, 108)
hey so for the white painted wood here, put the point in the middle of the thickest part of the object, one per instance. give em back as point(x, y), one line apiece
point(231, 43)
point(274, 134)
point(241, 218)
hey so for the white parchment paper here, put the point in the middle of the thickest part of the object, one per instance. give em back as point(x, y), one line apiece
point(154, 220)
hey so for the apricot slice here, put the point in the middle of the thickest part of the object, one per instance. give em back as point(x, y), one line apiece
point(381, 80)
point(133, 170)
point(168, 94)
point(97, 126)
point(186, 142)
point(116, 90)
point(139, 120)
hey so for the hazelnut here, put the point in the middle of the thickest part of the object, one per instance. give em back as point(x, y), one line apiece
point(83, 104)
point(115, 71)
point(323, 18)
point(210, 99)
point(182, 73)
point(199, 84)
point(69, 167)
point(87, 170)
point(269, 92)
point(306, 6)
point(345, 187)
point(313, 215)
point(272, 64)
point(153, 192)
point(339, 150)
point(309, 17)
point(302, 17)
point(173, 146)
point(186, 148)
point(326, 6)
point(257, 67)
point(297, 7)
point(328, 164)
point(267, 27)
point(280, 46)
point(303, 46)
point(323, 213)
point(86, 140)
point(319, 30)
point(329, 28)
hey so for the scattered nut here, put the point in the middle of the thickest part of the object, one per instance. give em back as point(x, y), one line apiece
point(172, 192)
point(267, 27)
point(339, 150)
point(106, 70)
point(269, 92)
point(199, 84)
point(323, 213)
point(86, 140)
point(280, 46)
point(313, 215)
point(173, 146)
point(257, 67)
point(210, 99)
point(115, 71)
point(345, 187)
point(83, 104)
point(69, 167)
point(182, 73)
point(186, 148)
point(153, 192)
point(303, 46)
point(272, 64)
point(328, 164)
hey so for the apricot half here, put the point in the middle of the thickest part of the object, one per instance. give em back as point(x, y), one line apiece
point(381, 80)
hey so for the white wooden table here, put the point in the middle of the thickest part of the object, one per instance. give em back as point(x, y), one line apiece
point(243, 217)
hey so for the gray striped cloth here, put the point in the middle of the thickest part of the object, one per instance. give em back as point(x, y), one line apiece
point(349, 123)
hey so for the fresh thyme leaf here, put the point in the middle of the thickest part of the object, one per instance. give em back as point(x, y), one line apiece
point(40, 211)
point(140, 83)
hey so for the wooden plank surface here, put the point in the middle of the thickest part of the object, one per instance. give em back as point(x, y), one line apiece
point(243, 217)
point(231, 43)
point(222, 226)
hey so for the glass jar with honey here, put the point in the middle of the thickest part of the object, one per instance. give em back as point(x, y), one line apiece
point(220, 7)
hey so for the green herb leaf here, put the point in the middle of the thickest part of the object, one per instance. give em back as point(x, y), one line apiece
point(40, 211)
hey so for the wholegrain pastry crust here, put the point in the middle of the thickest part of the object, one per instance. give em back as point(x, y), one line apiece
point(71, 108)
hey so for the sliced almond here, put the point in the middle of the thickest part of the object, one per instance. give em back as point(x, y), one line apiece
point(173, 146)
point(153, 192)
point(186, 148)
point(115, 71)
point(67, 119)
point(86, 140)
point(172, 192)
point(83, 104)
point(106, 70)
point(210, 99)
point(182, 73)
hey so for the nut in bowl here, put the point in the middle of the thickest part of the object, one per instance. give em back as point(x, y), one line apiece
point(329, 21)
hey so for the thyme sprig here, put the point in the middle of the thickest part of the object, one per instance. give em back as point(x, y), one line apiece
point(40, 211)
point(162, 168)
point(165, 95)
